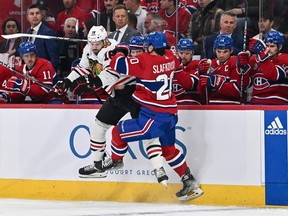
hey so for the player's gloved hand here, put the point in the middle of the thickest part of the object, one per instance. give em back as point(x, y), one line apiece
point(62, 86)
point(204, 66)
point(3, 98)
point(123, 48)
point(18, 84)
point(81, 85)
point(213, 81)
point(243, 59)
point(259, 48)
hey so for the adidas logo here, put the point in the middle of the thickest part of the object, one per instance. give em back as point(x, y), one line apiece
point(276, 128)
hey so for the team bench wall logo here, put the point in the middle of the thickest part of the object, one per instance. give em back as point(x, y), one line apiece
point(133, 155)
point(276, 162)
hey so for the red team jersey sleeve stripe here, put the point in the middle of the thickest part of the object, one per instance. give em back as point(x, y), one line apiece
point(139, 132)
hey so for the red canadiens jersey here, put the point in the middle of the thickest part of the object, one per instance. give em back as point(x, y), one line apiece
point(229, 93)
point(78, 13)
point(191, 5)
point(269, 80)
point(154, 74)
point(150, 5)
point(185, 85)
point(184, 17)
point(5, 74)
point(44, 72)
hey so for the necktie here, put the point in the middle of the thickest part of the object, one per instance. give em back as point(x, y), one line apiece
point(116, 36)
point(7, 46)
point(108, 24)
point(31, 32)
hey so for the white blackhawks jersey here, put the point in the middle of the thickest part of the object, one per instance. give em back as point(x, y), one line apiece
point(110, 79)
point(102, 58)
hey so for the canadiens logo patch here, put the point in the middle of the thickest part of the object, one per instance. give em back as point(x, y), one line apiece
point(260, 83)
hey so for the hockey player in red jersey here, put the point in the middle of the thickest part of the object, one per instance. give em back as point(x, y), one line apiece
point(115, 107)
point(269, 70)
point(225, 80)
point(154, 70)
point(185, 48)
point(21, 88)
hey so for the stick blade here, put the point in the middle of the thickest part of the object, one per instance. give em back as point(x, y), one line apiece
point(17, 35)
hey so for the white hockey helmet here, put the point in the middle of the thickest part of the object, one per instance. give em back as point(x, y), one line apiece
point(97, 33)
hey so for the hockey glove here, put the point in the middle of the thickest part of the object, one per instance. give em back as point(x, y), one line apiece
point(243, 60)
point(85, 84)
point(62, 86)
point(259, 48)
point(80, 85)
point(123, 48)
point(18, 84)
point(212, 81)
point(204, 66)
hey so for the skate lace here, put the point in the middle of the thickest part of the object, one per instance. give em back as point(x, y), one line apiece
point(89, 167)
point(108, 162)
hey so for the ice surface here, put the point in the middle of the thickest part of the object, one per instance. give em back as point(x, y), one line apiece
point(13, 207)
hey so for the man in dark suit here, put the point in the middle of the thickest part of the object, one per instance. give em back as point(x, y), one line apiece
point(47, 49)
point(123, 32)
point(106, 16)
point(228, 22)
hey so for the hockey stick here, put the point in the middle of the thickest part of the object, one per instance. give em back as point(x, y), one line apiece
point(244, 49)
point(204, 56)
point(260, 17)
point(33, 79)
point(19, 35)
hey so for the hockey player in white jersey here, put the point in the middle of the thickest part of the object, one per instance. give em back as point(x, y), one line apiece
point(96, 57)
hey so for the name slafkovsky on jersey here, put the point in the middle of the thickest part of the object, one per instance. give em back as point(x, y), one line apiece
point(276, 128)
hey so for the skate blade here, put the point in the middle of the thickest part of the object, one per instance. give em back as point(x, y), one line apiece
point(98, 175)
point(164, 183)
point(192, 195)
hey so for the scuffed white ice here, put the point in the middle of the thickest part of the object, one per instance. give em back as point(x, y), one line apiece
point(18, 207)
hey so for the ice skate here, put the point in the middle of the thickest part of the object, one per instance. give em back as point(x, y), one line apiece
point(90, 171)
point(109, 164)
point(191, 188)
point(161, 176)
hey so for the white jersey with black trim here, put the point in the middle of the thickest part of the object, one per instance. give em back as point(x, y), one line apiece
point(103, 58)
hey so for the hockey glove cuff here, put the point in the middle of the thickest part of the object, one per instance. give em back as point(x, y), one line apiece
point(260, 49)
point(18, 84)
point(213, 81)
